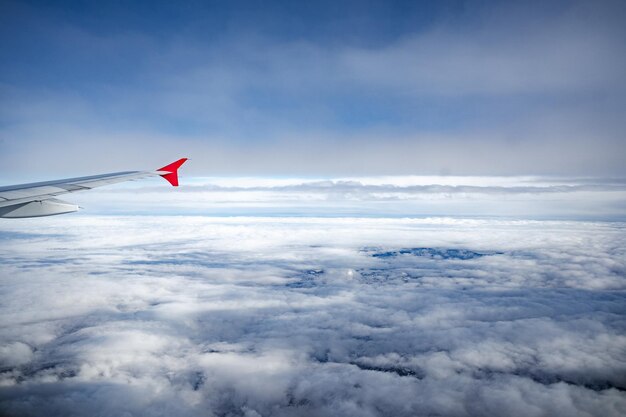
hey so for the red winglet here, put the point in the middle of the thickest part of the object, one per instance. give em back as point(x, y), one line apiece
point(172, 171)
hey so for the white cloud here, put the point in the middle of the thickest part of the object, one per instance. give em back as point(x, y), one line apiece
point(295, 316)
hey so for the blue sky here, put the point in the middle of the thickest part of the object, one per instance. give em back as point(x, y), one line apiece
point(318, 88)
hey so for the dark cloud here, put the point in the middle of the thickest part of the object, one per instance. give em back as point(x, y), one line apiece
point(152, 316)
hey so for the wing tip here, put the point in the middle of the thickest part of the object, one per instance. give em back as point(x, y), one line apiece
point(171, 170)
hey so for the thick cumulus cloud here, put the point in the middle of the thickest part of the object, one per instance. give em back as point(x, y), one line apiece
point(154, 316)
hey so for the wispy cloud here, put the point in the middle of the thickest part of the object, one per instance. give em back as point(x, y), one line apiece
point(408, 196)
point(493, 89)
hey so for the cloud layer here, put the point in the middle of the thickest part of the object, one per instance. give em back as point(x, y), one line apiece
point(196, 316)
point(398, 196)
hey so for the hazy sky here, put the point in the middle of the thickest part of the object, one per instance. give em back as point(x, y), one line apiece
point(314, 88)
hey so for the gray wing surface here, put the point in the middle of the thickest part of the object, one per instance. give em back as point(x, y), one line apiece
point(49, 189)
point(39, 199)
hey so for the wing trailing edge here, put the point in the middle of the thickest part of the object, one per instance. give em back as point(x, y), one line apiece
point(49, 207)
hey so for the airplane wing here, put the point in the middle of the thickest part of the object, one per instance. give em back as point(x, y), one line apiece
point(39, 199)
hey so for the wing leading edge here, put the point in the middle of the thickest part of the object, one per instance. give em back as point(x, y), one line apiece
point(39, 199)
